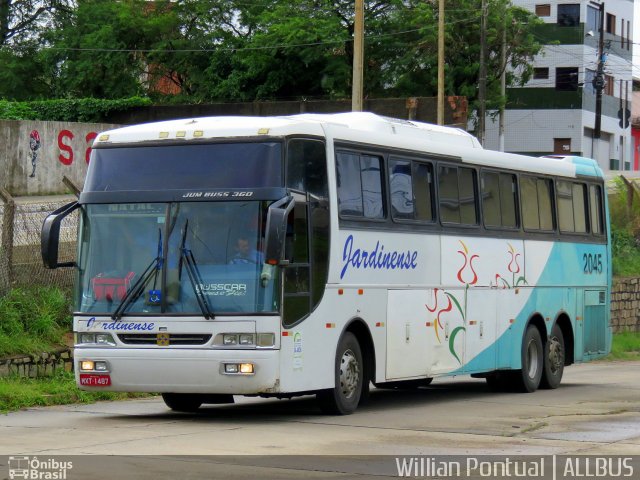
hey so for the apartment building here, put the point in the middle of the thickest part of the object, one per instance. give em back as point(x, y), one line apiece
point(555, 112)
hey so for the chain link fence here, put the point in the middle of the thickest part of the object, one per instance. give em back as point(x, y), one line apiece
point(20, 254)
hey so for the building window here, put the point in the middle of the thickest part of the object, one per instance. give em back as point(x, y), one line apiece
point(541, 73)
point(589, 77)
point(593, 20)
point(628, 34)
point(610, 26)
point(543, 10)
point(569, 15)
point(608, 85)
point(567, 79)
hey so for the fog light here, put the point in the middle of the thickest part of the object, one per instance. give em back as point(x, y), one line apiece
point(230, 339)
point(100, 366)
point(230, 368)
point(87, 365)
point(246, 339)
point(246, 368)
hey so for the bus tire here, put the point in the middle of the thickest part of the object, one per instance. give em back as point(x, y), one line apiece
point(528, 378)
point(182, 402)
point(343, 399)
point(554, 358)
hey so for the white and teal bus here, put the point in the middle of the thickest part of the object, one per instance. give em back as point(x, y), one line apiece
point(316, 254)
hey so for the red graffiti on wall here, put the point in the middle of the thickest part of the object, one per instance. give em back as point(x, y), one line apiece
point(67, 156)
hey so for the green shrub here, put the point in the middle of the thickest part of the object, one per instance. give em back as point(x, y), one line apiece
point(68, 110)
point(33, 319)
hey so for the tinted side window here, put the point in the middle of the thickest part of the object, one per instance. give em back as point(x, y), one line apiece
point(572, 207)
point(537, 203)
point(545, 204)
point(499, 200)
point(529, 199)
point(595, 205)
point(457, 191)
point(360, 185)
point(349, 185)
point(411, 190)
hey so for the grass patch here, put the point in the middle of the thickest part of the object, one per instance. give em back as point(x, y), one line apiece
point(625, 346)
point(58, 389)
point(33, 319)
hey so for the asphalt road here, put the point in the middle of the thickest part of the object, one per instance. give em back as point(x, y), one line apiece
point(596, 411)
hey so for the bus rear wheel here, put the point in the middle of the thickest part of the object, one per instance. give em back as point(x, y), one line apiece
point(528, 379)
point(344, 397)
point(553, 359)
point(182, 402)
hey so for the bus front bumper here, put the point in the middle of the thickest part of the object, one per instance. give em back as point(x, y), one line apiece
point(177, 370)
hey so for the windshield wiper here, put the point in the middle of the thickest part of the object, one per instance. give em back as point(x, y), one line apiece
point(138, 287)
point(187, 258)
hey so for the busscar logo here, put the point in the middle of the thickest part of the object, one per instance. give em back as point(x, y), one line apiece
point(38, 469)
point(223, 289)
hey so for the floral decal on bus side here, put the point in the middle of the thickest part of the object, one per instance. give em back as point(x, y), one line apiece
point(451, 301)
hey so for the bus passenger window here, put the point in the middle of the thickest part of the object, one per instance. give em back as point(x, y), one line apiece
point(529, 198)
point(579, 207)
point(401, 189)
point(360, 185)
point(565, 207)
point(545, 204)
point(449, 196)
point(508, 203)
point(423, 191)
point(595, 205)
point(491, 200)
point(457, 192)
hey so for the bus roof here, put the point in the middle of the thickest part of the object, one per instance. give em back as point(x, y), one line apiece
point(361, 127)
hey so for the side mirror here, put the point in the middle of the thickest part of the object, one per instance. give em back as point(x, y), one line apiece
point(276, 230)
point(50, 236)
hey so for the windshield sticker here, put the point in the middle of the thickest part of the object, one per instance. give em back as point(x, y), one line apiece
point(120, 326)
point(223, 289)
point(217, 194)
point(377, 258)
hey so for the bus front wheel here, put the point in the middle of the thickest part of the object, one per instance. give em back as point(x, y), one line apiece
point(182, 402)
point(343, 398)
point(528, 379)
point(553, 359)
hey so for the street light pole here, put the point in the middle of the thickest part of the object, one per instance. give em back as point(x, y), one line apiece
point(598, 81)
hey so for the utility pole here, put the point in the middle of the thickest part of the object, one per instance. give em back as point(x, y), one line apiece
point(482, 80)
point(598, 81)
point(358, 58)
point(503, 86)
point(440, 62)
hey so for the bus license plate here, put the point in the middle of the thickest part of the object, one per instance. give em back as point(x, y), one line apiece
point(88, 380)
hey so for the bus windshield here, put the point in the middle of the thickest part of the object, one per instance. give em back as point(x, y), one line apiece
point(168, 258)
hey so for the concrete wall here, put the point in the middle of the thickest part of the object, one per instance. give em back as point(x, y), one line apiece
point(34, 156)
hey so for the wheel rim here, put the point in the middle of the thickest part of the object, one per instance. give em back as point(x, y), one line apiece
point(349, 374)
point(532, 359)
point(556, 355)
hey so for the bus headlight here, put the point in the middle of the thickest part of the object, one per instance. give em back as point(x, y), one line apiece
point(246, 339)
point(85, 338)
